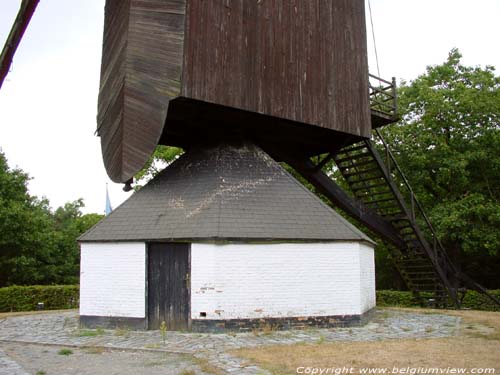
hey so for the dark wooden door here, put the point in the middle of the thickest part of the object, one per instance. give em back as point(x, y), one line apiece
point(169, 285)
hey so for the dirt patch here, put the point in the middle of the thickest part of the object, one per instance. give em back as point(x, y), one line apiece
point(55, 360)
point(477, 345)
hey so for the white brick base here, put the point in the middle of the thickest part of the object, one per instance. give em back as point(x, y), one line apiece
point(113, 279)
point(236, 281)
point(241, 281)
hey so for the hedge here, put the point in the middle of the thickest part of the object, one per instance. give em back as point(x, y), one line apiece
point(54, 297)
point(26, 298)
point(472, 300)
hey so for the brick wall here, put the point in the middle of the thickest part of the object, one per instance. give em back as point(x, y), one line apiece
point(112, 279)
point(236, 281)
point(367, 276)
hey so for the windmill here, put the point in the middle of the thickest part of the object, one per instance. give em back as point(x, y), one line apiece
point(286, 77)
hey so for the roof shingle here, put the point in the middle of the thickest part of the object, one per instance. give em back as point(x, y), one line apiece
point(224, 192)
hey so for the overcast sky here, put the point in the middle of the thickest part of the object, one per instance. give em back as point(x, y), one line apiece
point(48, 102)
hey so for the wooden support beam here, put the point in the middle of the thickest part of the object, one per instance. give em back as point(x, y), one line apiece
point(16, 33)
point(357, 210)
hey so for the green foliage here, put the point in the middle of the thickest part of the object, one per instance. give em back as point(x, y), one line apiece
point(395, 298)
point(476, 301)
point(91, 333)
point(26, 298)
point(37, 246)
point(472, 300)
point(163, 330)
point(163, 156)
point(448, 144)
point(65, 351)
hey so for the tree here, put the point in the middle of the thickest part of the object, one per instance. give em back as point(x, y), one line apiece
point(448, 145)
point(162, 157)
point(37, 246)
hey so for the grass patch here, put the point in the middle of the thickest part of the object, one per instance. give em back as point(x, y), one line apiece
point(41, 373)
point(152, 346)
point(122, 332)
point(206, 366)
point(156, 363)
point(95, 350)
point(65, 351)
point(187, 372)
point(264, 329)
point(90, 332)
point(478, 345)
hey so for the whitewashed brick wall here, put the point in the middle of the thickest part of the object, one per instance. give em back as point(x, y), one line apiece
point(275, 280)
point(367, 273)
point(113, 279)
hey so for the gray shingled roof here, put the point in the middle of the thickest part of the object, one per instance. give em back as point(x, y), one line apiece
point(224, 192)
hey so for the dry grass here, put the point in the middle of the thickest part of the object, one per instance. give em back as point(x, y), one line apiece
point(94, 350)
point(477, 345)
point(207, 367)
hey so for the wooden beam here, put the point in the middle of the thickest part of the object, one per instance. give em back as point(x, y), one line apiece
point(16, 33)
point(357, 210)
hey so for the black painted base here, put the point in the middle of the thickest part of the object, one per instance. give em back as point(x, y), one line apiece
point(112, 322)
point(245, 325)
point(236, 325)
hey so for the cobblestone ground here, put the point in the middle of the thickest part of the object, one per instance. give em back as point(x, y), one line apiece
point(62, 329)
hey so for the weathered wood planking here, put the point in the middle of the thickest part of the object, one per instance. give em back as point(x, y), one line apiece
point(291, 60)
point(140, 74)
point(304, 61)
point(169, 293)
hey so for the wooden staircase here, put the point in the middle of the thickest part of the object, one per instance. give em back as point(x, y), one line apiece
point(424, 266)
point(383, 200)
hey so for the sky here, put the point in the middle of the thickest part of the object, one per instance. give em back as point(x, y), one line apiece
point(48, 102)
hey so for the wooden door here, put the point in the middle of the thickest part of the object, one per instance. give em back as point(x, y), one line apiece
point(169, 285)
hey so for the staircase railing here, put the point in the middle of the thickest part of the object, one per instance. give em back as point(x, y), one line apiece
point(441, 257)
point(383, 96)
point(415, 206)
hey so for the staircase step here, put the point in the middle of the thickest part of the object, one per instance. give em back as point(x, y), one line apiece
point(360, 173)
point(416, 263)
point(371, 178)
point(382, 200)
point(360, 164)
point(401, 217)
point(420, 273)
point(367, 187)
point(353, 148)
point(353, 157)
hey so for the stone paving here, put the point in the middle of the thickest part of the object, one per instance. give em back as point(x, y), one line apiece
point(9, 367)
point(62, 329)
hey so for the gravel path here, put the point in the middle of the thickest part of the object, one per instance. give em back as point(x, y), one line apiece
point(186, 348)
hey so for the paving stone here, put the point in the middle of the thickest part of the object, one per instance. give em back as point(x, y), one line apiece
point(62, 328)
point(9, 367)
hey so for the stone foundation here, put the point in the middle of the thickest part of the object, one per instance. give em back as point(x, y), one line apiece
point(279, 324)
point(112, 322)
point(235, 325)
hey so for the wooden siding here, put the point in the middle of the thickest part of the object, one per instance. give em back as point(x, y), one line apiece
point(140, 73)
point(304, 61)
point(300, 64)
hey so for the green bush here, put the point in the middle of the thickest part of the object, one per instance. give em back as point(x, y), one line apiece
point(472, 300)
point(26, 298)
point(476, 301)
